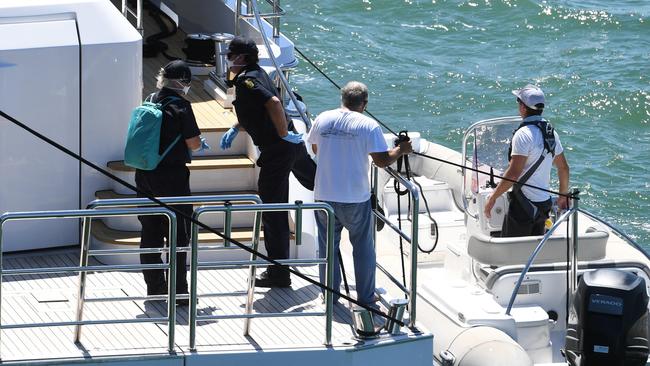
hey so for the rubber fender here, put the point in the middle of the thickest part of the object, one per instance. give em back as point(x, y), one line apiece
point(486, 346)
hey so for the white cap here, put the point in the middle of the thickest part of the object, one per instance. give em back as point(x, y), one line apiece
point(531, 95)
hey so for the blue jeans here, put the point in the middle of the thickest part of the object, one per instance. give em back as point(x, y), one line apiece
point(356, 218)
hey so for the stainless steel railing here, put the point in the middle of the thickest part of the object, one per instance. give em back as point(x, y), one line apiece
point(280, 69)
point(126, 11)
point(571, 217)
point(138, 202)
point(194, 249)
point(84, 267)
point(124, 207)
point(275, 15)
point(253, 263)
point(410, 291)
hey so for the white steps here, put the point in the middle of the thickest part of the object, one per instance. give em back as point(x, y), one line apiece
point(207, 173)
point(213, 219)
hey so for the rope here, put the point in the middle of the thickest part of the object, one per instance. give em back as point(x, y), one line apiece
point(568, 195)
point(153, 44)
point(187, 217)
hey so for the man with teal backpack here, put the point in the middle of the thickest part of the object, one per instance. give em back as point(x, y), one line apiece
point(161, 136)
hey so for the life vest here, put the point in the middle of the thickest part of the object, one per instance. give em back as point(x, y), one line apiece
point(548, 135)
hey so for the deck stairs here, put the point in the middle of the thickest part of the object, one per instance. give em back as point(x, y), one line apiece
point(212, 172)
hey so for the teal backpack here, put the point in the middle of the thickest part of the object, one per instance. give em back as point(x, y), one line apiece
point(143, 135)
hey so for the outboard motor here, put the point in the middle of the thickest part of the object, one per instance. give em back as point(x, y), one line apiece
point(608, 321)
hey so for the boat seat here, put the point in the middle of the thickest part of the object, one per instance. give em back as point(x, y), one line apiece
point(497, 251)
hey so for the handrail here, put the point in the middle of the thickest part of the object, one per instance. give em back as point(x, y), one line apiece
point(84, 268)
point(539, 247)
point(138, 14)
point(138, 202)
point(141, 201)
point(253, 263)
point(277, 13)
point(278, 69)
point(415, 197)
point(470, 129)
point(227, 208)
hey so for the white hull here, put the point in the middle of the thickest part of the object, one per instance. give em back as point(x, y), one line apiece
point(468, 280)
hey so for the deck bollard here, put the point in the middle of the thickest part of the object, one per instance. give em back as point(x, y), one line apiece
point(363, 324)
point(396, 311)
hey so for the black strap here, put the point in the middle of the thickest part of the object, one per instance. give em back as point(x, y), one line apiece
point(548, 136)
point(164, 103)
point(530, 172)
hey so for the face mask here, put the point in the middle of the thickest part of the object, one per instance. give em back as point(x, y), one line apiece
point(231, 63)
point(183, 88)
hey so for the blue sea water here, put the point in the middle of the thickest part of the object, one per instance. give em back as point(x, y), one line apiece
point(437, 66)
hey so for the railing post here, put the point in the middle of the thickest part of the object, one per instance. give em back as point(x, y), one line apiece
point(276, 20)
point(237, 17)
point(573, 249)
point(138, 22)
point(171, 279)
point(83, 261)
point(329, 298)
point(298, 222)
point(194, 272)
point(257, 224)
point(2, 222)
point(533, 255)
point(414, 257)
point(227, 223)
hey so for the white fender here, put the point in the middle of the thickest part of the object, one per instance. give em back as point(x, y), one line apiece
point(481, 346)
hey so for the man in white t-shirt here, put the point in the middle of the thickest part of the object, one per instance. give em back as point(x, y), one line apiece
point(343, 139)
point(528, 144)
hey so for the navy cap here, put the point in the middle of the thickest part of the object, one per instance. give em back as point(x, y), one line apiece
point(243, 46)
point(178, 70)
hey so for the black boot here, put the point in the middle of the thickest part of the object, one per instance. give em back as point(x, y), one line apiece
point(274, 276)
point(156, 283)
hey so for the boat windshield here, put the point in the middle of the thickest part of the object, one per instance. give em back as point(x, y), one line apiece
point(486, 146)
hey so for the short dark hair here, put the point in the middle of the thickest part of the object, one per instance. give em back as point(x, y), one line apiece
point(251, 59)
point(244, 46)
point(530, 111)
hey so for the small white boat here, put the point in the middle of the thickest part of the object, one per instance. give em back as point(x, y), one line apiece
point(503, 301)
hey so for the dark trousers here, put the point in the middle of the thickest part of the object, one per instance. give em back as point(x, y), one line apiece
point(164, 182)
point(517, 223)
point(276, 162)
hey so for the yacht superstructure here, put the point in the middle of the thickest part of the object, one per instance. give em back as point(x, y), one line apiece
point(72, 291)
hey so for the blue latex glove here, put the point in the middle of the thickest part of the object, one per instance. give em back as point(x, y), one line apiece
point(204, 144)
point(228, 137)
point(292, 137)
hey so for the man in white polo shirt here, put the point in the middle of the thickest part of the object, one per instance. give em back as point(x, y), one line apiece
point(342, 139)
point(535, 147)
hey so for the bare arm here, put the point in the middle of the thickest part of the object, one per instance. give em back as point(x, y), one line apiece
point(386, 158)
point(314, 148)
point(515, 168)
point(563, 175)
point(276, 111)
point(193, 143)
